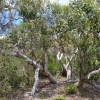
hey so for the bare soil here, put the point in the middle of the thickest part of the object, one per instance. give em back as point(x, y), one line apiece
point(48, 91)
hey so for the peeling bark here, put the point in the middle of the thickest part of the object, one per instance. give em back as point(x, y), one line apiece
point(36, 65)
point(46, 61)
point(59, 57)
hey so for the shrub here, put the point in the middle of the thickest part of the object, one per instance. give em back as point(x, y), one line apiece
point(59, 98)
point(53, 68)
point(71, 89)
point(42, 97)
point(10, 75)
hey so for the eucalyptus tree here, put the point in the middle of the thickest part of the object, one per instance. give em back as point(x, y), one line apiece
point(32, 39)
point(8, 14)
point(81, 30)
point(73, 30)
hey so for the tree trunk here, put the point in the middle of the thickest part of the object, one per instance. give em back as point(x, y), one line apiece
point(80, 83)
point(44, 71)
point(49, 76)
point(35, 65)
point(36, 81)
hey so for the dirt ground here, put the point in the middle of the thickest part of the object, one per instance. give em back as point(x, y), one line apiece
point(48, 91)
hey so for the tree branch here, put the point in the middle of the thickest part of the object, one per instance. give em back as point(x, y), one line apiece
point(28, 60)
point(92, 73)
point(36, 65)
point(59, 57)
point(81, 82)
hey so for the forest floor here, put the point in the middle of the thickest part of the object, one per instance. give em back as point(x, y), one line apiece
point(48, 91)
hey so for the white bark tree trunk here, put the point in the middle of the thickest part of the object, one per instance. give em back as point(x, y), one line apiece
point(47, 73)
point(36, 81)
point(66, 66)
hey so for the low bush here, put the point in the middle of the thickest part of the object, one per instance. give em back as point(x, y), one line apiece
point(59, 98)
point(11, 75)
point(71, 89)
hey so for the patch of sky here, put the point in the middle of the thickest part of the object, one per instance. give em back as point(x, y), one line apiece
point(48, 15)
point(20, 20)
point(5, 17)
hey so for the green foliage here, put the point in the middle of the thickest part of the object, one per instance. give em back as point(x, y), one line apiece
point(71, 89)
point(53, 65)
point(53, 68)
point(95, 77)
point(80, 29)
point(58, 76)
point(59, 98)
point(82, 15)
point(10, 76)
point(29, 8)
point(42, 97)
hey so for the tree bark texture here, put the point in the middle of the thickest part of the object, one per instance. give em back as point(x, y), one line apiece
point(36, 81)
